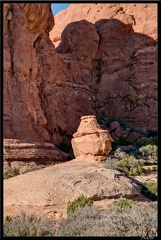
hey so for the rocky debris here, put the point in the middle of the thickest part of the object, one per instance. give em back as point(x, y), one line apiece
point(90, 141)
point(133, 136)
point(115, 130)
point(129, 134)
point(58, 185)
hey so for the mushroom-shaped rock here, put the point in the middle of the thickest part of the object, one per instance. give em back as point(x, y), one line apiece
point(90, 140)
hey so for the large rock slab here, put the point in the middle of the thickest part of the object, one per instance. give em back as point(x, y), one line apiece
point(15, 150)
point(62, 183)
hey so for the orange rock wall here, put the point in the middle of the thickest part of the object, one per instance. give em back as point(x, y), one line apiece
point(106, 64)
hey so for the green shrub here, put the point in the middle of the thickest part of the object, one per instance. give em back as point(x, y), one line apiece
point(149, 142)
point(150, 190)
point(138, 143)
point(135, 171)
point(125, 203)
point(119, 153)
point(80, 202)
point(128, 164)
point(155, 140)
point(110, 163)
point(137, 220)
point(11, 172)
point(28, 225)
point(149, 153)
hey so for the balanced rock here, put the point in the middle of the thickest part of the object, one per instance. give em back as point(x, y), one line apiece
point(90, 140)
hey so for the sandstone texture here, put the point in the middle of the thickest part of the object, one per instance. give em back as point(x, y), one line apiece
point(90, 141)
point(105, 65)
point(124, 70)
point(58, 185)
point(15, 150)
point(45, 94)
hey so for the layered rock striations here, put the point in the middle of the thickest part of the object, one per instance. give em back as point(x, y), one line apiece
point(90, 141)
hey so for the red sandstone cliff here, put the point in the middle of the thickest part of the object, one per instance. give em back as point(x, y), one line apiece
point(106, 64)
point(124, 70)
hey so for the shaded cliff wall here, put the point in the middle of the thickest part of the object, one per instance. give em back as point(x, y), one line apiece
point(124, 70)
point(104, 67)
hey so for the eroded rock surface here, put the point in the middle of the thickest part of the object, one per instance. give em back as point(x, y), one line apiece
point(124, 70)
point(15, 150)
point(90, 141)
point(106, 64)
point(58, 185)
point(45, 94)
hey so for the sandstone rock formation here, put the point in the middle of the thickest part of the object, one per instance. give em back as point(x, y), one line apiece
point(90, 141)
point(52, 188)
point(106, 65)
point(41, 153)
point(43, 97)
point(143, 16)
point(124, 70)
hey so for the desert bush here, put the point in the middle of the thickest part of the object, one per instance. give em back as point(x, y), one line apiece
point(125, 203)
point(119, 153)
point(110, 163)
point(138, 220)
point(149, 142)
point(80, 202)
point(155, 140)
point(11, 172)
point(129, 164)
point(150, 190)
point(149, 153)
point(28, 225)
point(138, 143)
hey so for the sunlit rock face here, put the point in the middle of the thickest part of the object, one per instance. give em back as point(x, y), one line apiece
point(124, 70)
point(90, 141)
point(105, 65)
